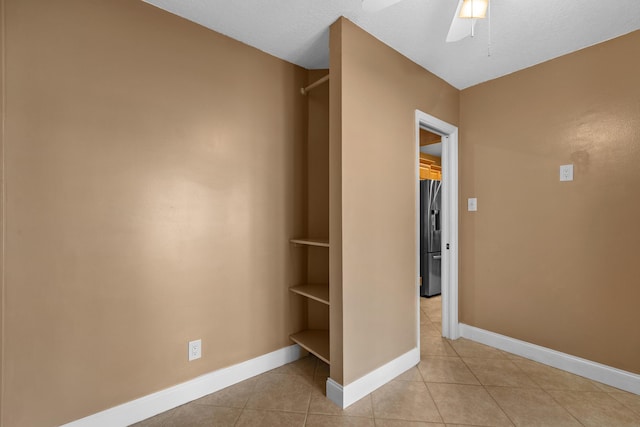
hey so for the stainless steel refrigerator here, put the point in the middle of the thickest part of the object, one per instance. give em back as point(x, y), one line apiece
point(430, 234)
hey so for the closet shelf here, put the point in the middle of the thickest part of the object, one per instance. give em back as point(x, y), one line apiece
point(315, 341)
point(315, 291)
point(311, 241)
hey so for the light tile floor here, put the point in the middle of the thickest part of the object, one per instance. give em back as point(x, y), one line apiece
point(457, 383)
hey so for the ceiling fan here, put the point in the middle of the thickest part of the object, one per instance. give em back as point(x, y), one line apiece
point(464, 20)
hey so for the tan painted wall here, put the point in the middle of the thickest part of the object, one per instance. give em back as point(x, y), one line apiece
point(381, 90)
point(548, 262)
point(2, 196)
point(335, 204)
point(154, 177)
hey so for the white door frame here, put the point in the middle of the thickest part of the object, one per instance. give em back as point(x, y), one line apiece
point(450, 327)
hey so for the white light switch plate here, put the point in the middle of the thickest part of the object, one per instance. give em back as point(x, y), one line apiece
point(472, 204)
point(566, 173)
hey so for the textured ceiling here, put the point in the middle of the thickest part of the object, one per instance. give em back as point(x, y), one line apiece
point(523, 32)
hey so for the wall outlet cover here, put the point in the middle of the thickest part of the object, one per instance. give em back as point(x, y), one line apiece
point(472, 204)
point(566, 173)
point(195, 350)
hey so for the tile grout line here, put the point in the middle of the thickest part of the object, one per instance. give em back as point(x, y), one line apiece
point(544, 390)
point(498, 404)
point(613, 396)
point(485, 389)
point(313, 379)
point(530, 377)
point(434, 401)
point(425, 382)
point(561, 405)
point(482, 385)
point(246, 402)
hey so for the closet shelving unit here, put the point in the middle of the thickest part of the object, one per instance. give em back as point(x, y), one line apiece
point(315, 338)
point(315, 341)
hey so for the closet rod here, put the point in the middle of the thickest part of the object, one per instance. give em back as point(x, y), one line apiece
point(304, 90)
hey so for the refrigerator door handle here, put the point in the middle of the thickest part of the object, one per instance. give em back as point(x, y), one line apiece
point(435, 220)
point(437, 257)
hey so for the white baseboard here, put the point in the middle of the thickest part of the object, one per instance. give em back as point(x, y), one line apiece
point(156, 403)
point(614, 377)
point(344, 396)
point(335, 392)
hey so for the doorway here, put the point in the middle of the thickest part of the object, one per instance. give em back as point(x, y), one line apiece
point(449, 243)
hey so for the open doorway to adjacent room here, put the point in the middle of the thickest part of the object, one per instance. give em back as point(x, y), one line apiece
point(430, 158)
point(437, 225)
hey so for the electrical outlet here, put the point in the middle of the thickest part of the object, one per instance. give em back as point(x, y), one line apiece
point(566, 173)
point(195, 350)
point(472, 204)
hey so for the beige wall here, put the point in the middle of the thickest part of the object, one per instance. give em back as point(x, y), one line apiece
point(335, 203)
point(548, 262)
point(380, 91)
point(153, 179)
point(2, 196)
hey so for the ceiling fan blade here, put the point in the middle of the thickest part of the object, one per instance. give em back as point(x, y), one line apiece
point(460, 27)
point(376, 5)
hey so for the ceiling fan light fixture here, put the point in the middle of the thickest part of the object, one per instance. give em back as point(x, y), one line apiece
point(473, 9)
